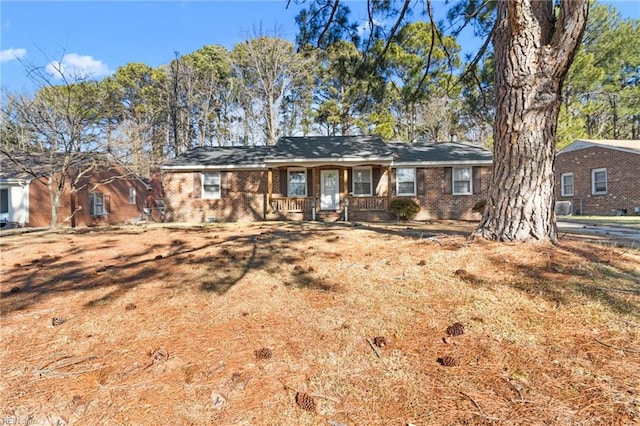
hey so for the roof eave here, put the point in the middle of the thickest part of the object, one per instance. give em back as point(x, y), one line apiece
point(442, 163)
point(328, 161)
point(197, 167)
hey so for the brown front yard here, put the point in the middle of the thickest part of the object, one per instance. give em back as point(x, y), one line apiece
point(165, 325)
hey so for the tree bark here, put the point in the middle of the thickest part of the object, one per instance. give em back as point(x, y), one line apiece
point(533, 52)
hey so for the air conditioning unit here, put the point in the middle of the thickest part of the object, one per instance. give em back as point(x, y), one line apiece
point(563, 208)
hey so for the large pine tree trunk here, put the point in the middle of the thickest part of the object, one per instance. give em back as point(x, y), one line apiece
point(533, 52)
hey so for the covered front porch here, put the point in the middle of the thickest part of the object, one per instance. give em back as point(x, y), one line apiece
point(329, 193)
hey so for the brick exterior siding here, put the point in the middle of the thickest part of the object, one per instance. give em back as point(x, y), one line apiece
point(623, 180)
point(244, 197)
point(116, 194)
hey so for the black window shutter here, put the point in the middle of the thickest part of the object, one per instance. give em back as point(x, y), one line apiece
point(420, 183)
point(477, 181)
point(393, 182)
point(283, 183)
point(197, 185)
point(375, 180)
point(91, 203)
point(448, 180)
point(309, 182)
point(224, 184)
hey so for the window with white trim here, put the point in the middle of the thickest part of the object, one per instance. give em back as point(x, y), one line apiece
point(462, 180)
point(211, 186)
point(297, 179)
point(406, 181)
point(97, 206)
point(132, 195)
point(598, 181)
point(566, 184)
point(362, 181)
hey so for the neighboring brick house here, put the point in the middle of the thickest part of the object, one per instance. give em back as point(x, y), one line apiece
point(106, 192)
point(598, 177)
point(325, 178)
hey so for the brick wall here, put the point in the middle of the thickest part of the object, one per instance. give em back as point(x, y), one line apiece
point(438, 205)
point(243, 197)
point(116, 194)
point(623, 180)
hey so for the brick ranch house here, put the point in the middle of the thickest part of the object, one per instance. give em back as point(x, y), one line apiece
point(598, 177)
point(325, 178)
point(106, 192)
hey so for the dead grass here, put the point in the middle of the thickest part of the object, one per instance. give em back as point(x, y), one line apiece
point(162, 326)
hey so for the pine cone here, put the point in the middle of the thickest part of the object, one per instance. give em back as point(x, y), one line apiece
point(263, 353)
point(305, 401)
point(380, 341)
point(57, 321)
point(455, 329)
point(448, 361)
point(159, 355)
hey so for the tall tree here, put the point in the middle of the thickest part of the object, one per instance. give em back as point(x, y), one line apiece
point(534, 44)
point(419, 66)
point(212, 99)
point(601, 96)
point(534, 47)
point(135, 110)
point(59, 124)
point(341, 95)
point(269, 70)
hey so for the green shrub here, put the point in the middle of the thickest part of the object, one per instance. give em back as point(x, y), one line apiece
point(404, 208)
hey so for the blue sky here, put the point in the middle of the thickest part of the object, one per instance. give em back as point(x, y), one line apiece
point(100, 36)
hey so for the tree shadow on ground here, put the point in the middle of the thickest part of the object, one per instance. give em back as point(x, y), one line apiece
point(219, 263)
point(570, 273)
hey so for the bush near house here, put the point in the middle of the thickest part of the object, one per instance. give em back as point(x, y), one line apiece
point(404, 208)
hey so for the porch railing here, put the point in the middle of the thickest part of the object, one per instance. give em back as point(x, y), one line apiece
point(368, 204)
point(291, 204)
point(304, 204)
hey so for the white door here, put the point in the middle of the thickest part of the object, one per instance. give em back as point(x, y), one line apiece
point(329, 191)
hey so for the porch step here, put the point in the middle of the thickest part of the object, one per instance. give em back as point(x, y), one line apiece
point(329, 216)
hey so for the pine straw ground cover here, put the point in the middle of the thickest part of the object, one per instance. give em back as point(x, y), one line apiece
point(276, 324)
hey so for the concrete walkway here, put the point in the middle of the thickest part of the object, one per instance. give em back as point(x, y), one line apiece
point(602, 231)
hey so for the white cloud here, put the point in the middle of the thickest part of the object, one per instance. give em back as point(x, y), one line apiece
point(73, 66)
point(7, 55)
point(365, 27)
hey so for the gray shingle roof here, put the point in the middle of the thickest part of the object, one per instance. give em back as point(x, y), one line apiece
point(220, 157)
point(632, 146)
point(438, 153)
point(26, 166)
point(329, 149)
point(337, 148)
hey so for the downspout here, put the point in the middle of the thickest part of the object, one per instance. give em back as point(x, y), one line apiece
point(346, 209)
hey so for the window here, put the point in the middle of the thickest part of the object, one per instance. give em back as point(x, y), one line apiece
point(132, 195)
point(598, 181)
point(97, 206)
point(297, 183)
point(462, 180)
point(566, 183)
point(4, 202)
point(406, 181)
point(211, 185)
point(362, 181)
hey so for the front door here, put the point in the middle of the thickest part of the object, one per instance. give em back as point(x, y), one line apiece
point(329, 190)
